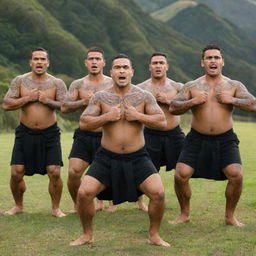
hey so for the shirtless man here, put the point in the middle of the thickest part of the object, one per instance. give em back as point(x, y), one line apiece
point(85, 142)
point(122, 165)
point(163, 146)
point(211, 147)
point(37, 148)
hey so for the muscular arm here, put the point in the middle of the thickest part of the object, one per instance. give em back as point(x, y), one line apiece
point(12, 99)
point(59, 98)
point(243, 99)
point(71, 101)
point(154, 117)
point(91, 118)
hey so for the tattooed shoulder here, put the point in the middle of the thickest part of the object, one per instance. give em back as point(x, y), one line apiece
point(108, 97)
point(76, 85)
point(14, 89)
point(61, 89)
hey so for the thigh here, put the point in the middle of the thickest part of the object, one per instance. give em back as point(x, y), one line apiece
point(152, 185)
point(233, 171)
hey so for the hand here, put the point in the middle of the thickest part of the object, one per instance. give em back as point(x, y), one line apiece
point(130, 113)
point(43, 98)
point(224, 97)
point(87, 97)
point(200, 98)
point(162, 97)
point(115, 113)
point(33, 95)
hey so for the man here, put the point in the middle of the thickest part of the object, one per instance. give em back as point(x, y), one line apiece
point(211, 147)
point(37, 148)
point(85, 142)
point(122, 164)
point(164, 145)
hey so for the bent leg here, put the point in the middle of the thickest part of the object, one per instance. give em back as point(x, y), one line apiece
point(55, 189)
point(90, 187)
point(18, 188)
point(234, 173)
point(141, 205)
point(76, 169)
point(182, 175)
point(153, 188)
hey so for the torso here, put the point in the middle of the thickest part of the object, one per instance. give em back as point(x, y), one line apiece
point(123, 136)
point(171, 89)
point(212, 117)
point(36, 115)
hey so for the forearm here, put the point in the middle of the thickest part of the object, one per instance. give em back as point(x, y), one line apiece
point(91, 123)
point(248, 104)
point(156, 121)
point(13, 103)
point(180, 107)
point(71, 106)
point(53, 104)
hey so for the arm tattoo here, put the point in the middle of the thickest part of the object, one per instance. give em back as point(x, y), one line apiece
point(93, 109)
point(14, 90)
point(152, 106)
point(61, 90)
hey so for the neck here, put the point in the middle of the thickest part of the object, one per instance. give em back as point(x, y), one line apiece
point(40, 77)
point(213, 80)
point(97, 78)
point(122, 91)
point(158, 81)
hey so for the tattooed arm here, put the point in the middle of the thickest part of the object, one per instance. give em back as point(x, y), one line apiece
point(60, 93)
point(71, 101)
point(12, 99)
point(242, 98)
point(91, 118)
point(153, 117)
point(183, 101)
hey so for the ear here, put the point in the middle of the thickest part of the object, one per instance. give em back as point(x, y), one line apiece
point(202, 63)
point(132, 72)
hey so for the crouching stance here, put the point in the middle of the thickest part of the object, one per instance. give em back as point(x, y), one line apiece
point(122, 169)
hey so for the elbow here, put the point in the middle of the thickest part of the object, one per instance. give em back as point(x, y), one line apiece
point(5, 107)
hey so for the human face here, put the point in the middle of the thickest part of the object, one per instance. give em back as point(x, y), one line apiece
point(121, 72)
point(158, 67)
point(39, 62)
point(95, 63)
point(212, 62)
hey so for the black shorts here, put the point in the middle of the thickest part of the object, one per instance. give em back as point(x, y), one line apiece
point(85, 145)
point(209, 154)
point(121, 174)
point(36, 149)
point(164, 147)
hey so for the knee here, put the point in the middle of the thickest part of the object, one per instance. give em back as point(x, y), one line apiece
point(236, 178)
point(53, 172)
point(74, 172)
point(180, 179)
point(17, 173)
point(85, 194)
point(158, 195)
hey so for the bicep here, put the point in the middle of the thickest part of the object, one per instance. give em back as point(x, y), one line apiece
point(14, 89)
point(151, 106)
point(242, 92)
point(61, 91)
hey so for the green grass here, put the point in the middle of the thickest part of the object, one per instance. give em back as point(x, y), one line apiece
point(36, 233)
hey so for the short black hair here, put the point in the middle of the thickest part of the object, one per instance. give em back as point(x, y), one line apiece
point(158, 54)
point(36, 49)
point(121, 56)
point(94, 49)
point(210, 47)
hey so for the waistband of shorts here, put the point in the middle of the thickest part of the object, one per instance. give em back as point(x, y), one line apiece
point(214, 136)
point(173, 131)
point(88, 133)
point(141, 151)
point(38, 131)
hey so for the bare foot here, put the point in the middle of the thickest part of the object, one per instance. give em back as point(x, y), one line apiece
point(58, 213)
point(142, 206)
point(14, 210)
point(180, 219)
point(111, 208)
point(73, 211)
point(157, 240)
point(234, 222)
point(83, 239)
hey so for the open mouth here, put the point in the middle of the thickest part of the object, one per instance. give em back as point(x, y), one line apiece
point(213, 67)
point(122, 78)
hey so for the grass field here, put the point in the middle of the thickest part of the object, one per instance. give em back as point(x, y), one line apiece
point(124, 232)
